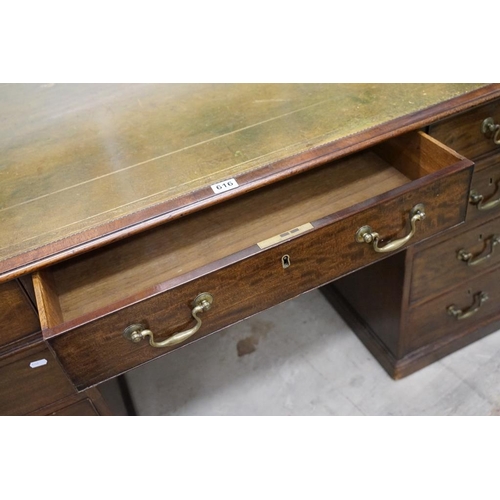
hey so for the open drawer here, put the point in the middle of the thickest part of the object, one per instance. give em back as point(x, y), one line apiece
point(100, 310)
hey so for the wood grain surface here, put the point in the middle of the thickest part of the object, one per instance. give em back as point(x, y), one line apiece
point(463, 132)
point(437, 268)
point(26, 383)
point(88, 403)
point(17, 314)
point(431, 322)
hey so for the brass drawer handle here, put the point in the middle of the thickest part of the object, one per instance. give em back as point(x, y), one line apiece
point(491, 129)
point(479, 299)
point(477, 199)
point(136, 332)
point(473, 260)
point(366, 234)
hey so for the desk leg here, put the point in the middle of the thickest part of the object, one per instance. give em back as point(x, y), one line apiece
point(126, 396)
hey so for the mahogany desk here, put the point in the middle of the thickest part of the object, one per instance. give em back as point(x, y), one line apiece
point(139, 218)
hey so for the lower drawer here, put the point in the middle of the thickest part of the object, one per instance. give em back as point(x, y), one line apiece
point(30, 379)
point(468, 307)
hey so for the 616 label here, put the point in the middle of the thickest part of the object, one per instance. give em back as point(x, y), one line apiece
point(226, 185)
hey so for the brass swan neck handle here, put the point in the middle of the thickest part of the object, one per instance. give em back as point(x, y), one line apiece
point(137, 332)
point(366, 234)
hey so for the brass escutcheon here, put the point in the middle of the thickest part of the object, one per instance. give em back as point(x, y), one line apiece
point(285, 261)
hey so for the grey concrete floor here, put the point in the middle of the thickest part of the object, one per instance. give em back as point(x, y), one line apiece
point(300, 358)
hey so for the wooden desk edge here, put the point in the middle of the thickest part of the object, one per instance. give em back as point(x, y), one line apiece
point(150, 217)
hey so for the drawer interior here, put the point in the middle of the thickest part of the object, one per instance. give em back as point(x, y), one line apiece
point(207, 239)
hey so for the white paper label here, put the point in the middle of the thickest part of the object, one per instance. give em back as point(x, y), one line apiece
point(40, 362)
point(226, 185)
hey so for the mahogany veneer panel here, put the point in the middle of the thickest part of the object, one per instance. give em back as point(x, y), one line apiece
point(24, 387)
point(463, 133)
point(437, 268)
point(431, 322)
point(17, 315)
point(83, 408)
point(89, 403)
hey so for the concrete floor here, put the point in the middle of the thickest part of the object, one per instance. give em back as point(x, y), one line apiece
point(300, 358)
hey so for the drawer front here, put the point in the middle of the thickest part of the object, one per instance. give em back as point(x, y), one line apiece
point(17, 315)
point(463, 133)
point(475, 250)
point(484, 200)
point(432, 321)
point(30, 379)
point(88, 403)
point(258, 280)
point(83, 408)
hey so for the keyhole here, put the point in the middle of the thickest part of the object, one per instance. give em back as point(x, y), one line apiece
point(285, 261)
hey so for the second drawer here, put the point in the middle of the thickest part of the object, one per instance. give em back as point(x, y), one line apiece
point(462, 257)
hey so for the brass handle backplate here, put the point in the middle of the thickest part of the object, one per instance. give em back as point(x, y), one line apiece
point(478, 199)
point(491, 129)
point(366, 234)
point(137, 332)
point(479, 299)
point(473, 260)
